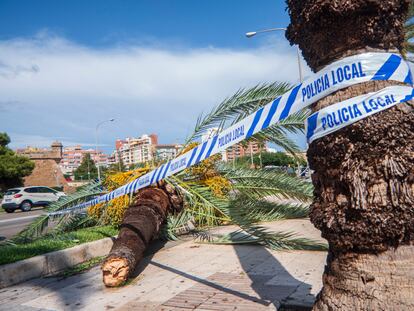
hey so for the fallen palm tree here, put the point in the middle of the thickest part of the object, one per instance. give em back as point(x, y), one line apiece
point(207, 194)
point(141, 224)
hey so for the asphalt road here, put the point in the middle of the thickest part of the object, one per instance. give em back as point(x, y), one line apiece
point(13, 223)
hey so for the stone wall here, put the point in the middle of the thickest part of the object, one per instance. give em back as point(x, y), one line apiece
point(46, 173)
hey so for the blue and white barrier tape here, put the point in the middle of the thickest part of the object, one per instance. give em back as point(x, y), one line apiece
point(338, 75)
point(339, 115)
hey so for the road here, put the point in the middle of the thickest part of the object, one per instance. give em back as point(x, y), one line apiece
point(13, 223)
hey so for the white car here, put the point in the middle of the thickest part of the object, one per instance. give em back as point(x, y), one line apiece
point(27, 197)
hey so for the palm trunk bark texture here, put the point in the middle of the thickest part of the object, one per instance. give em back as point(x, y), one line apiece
point(140, 225)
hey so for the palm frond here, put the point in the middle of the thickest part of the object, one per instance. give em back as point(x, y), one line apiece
point(266, 210)
point(207, 209)
point(259, 184)
point(251, 232)
point(278, 133)
point(82, 194)
point(246, 219)
point(72, 222)
point(238, 106)
point(38, 227)
point(272, 239)
point(177, 225)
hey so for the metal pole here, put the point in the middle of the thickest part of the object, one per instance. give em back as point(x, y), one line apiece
point(253, 33)
point(89, 171)
point(299, 65)
point(96, 151)
point(96, 146)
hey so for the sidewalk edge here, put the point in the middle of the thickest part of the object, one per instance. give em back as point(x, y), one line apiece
point(53, 262)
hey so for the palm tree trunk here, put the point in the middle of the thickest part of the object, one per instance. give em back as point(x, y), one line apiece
point(364, 173)
point(141, 223)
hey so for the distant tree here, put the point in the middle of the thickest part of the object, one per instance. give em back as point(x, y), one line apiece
point(13, 167)
point(136, 165)
point(271, 158)
point(277, 159)
point(120, 164)
point(116, 167)
point(87, 170)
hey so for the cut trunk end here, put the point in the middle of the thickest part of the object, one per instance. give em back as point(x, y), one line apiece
point(115, 271)
point(141, 224)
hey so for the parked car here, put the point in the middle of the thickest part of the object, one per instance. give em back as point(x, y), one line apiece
point(25, 198)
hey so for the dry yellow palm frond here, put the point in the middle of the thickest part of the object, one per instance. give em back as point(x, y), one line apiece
point(205, 169)
point(219, 185)
point(113, 211)
point(113, 181)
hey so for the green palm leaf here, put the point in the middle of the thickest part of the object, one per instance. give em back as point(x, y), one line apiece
point(207, 209)
point(278, 133)
point(261, 183)
point(38, 227)
point(177, 225)
point(251, 232)
point(266, 210)
point(246, 217)
point(272, 239)
point(238, 106)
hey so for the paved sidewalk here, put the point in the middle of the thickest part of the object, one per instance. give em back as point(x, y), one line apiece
point(189, 276)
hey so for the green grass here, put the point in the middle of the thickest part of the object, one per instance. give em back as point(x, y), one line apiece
point(46, 244)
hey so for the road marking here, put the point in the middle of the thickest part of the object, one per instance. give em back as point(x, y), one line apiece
point(20, 218)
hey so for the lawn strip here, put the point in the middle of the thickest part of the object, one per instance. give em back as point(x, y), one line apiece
point(46, 244)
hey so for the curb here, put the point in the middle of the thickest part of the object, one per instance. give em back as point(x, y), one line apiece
point(51, 263)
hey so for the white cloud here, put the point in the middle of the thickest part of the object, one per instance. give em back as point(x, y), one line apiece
point(46, 141)
point(51, 87)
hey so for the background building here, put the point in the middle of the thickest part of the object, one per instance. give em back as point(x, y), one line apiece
point(135, 150)
point(167, 152)
point(46, 171)
point(238, 150)
point(72, 158)
point(241, 150)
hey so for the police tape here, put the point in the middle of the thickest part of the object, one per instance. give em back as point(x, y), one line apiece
point(342, 114)
point(338, 75)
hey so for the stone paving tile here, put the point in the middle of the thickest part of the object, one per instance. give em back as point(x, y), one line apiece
point(238, 293)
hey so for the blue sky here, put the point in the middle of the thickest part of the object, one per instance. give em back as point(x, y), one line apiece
point(154, 66)
point(102, 23)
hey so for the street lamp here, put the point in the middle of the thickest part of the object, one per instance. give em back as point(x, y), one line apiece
point(253, 33)
point(96, 146)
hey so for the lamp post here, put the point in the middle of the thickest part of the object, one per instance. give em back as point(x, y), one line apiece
point(96, 145)
point(253, 33)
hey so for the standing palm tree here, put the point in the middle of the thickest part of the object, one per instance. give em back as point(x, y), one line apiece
point(364, 173)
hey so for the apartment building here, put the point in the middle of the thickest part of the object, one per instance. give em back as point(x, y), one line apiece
point(72, 158)
point(239, 150)
point(167, 151)
point(136, 150)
